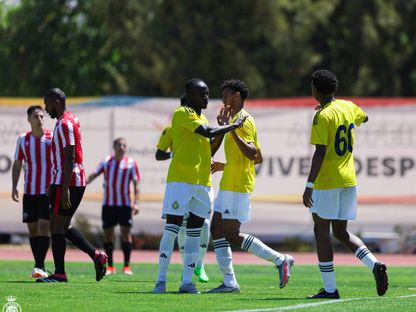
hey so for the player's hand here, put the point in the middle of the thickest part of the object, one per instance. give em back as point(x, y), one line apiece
point(134, 209)
point(65, 199)
point(240, 120)
point(216, 166)
point(224, 116)
point(15, 195)
point(307, 197)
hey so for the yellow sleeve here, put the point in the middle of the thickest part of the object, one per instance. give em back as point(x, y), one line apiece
point(165, 140)
point(248, 131)
point(187, 118)
point(359, 115)
point(319, 132)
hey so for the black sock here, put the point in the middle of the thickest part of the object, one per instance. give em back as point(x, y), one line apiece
point(80, 241)
point(34, 245)
point(43, 246)
point(126, 251)
point(58, 251)
point(108, 247)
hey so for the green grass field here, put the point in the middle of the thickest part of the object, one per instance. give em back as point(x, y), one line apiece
point(259, 290)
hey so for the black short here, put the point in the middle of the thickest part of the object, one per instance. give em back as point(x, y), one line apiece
point(75, 197)
point(35, 207)
point(113, 215)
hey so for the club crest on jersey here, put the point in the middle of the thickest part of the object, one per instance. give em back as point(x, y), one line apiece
point(175, 205)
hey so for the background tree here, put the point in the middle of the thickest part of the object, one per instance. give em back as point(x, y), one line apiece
point(151, 47)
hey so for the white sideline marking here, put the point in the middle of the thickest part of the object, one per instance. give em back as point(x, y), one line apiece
point(315, 304)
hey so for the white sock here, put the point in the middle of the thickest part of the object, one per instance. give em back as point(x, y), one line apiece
point(166, 246)
point(223, 254)
point(366, 256)
point(191, 254)
point(258, 248)
point(203, 244)
point(328, 276)
point(181, 240)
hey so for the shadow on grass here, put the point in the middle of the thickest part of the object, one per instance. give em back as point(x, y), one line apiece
point(146, 292)
point(272, 299)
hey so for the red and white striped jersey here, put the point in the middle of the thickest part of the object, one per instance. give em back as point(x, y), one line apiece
point(36, 153)
point(117, 178)
point(67, 132)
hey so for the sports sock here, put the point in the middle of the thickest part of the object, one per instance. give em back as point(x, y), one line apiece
point(328, 276)
point(126, 246)
point(181, 239)
point(35, 251)
point(166, 246)
point(58, 251)
point(191, 253)
point(366, 256)
point(43, 246)
point(223, 254)
point(258, 248)
point(80, 241)
point(203, 243)
point(108, 248)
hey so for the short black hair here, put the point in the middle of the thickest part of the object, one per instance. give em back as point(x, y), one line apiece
point(183, 99)
point(237, 86)
point(118, 140)
point(55, 93)
point(191, 84)
point(324, 81)
point(32, 108)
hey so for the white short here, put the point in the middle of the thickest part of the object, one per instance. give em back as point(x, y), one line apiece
point(233, 205)
point(335, 204)
point(182, 198)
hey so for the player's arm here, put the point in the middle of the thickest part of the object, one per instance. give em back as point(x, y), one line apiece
point(216, 143)
point(17, 167)
point(259, 158)
point(217, 166)
point(91, 177)
point(209, 131)
point(135, 206)
point(97, 172)
point(248, 149)
point(365, 119)
point(317, 160)
point(163, 155)
point(223, 118)
point(68, 168)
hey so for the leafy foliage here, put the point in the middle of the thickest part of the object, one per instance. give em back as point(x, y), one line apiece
point(151, 47)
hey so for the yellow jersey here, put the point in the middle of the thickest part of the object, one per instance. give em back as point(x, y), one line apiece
point(165, 140)
point(239, 174)
point(191, 162)
point(333, 126)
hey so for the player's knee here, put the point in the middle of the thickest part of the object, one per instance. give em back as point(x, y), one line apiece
point(33, 231)
point(44, 229)
point(231, 237)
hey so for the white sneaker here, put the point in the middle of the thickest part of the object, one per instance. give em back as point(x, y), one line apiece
point(160, 288)
point(39, 273)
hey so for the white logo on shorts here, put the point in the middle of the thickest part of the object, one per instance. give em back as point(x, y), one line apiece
point(11, 305)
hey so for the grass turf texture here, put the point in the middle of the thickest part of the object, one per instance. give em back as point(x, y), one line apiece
point(259, 290)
